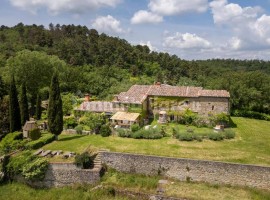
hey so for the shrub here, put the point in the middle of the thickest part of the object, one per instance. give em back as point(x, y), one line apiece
point(216, 136)
point(17, 162)
point(251, 114)
point(105, 131)
point(151, 133)
point(175, 132)
point(44, 115)
point(111, 191)
point(188, 117)
point(93, 120)
point(29, 166)
point(123, 132)
point(229, 134)
point(135, 127)
point(34, 134)
point(163, 132)
point(12, 142)
point(138, 134)
point(36, 169)
point(199, 122)
point(3, 168)
point(85, 160)
point(186, 136)
point(45, 139)
point(70, 122)
point(198, 138)
point(79, 129)
point(221, 118)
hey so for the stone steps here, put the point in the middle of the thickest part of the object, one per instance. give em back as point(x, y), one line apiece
point(97, 162)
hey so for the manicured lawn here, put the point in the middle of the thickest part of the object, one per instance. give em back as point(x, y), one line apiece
point(250, 146)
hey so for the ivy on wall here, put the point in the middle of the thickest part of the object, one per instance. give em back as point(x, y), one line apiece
point(168, 102)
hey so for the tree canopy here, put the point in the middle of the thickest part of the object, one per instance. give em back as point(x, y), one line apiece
point(88, 61)
point(55, 110)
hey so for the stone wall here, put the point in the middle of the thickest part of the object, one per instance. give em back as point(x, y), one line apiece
point(62, 174)
point(187, 169)
point(215, 105)
point(200, 105)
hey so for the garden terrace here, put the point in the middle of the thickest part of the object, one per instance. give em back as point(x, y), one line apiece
point(250, 146)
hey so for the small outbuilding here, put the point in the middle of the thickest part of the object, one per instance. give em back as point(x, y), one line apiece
point(28, 126)
point(162, 117)
point(125, 119)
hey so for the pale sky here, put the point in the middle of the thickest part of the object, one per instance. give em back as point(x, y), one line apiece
point(191, 29)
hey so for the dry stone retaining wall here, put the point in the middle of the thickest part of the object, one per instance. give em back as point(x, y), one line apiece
point(62, 174)
point(188, 169)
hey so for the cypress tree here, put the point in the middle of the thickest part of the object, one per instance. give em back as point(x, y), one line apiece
point(24, 105)
point(14, 109)
point(38, 107)
point(55, 111)
point(2, 88)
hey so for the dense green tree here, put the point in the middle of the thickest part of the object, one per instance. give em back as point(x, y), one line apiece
point(93, 120)
point(68, 100)
point(14, 108)
point(35, 69)
point(55, 110)
point(38, 110)
point(2, 88)
point(104, 65)
point(24, 105)
point(4, 114)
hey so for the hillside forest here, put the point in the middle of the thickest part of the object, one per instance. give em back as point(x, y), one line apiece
point(95, 63)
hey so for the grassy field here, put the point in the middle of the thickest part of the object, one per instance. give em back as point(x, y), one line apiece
point(129, 182)
point(17, 191)
point(250, 146)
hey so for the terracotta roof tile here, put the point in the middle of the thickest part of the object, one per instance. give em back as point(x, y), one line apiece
point(125, 116)
point(214, 93)
point(138, 93)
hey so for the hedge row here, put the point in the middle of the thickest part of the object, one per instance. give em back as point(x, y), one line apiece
point(251, 114)
point(45, 139)
point(26, 164)
point(11, 142)
point(190, 136)
point(151, 133)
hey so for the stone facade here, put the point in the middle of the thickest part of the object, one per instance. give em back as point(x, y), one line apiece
point(201, 105)
point(188, 169)
point(150, 100)
point(205, 105)
point(62, 174)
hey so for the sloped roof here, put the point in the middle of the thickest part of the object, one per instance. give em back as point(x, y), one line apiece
point(168, 90)
point(214, 93)
point(125, 116)
point(138, 93)
point(97, 106)
point(29, 125)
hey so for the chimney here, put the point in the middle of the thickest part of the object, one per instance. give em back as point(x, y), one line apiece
point(87, 97)
point(158, 83)
point(115, 98)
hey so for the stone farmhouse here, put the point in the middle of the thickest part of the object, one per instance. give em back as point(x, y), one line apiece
point(159, 101)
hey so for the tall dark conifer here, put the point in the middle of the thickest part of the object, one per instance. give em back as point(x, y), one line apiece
point(24, 105)
point(14, 108)
point(38, 108)
point(55, 111)
point(2, 88)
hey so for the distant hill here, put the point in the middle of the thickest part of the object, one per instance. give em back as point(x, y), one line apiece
point(104, 65)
